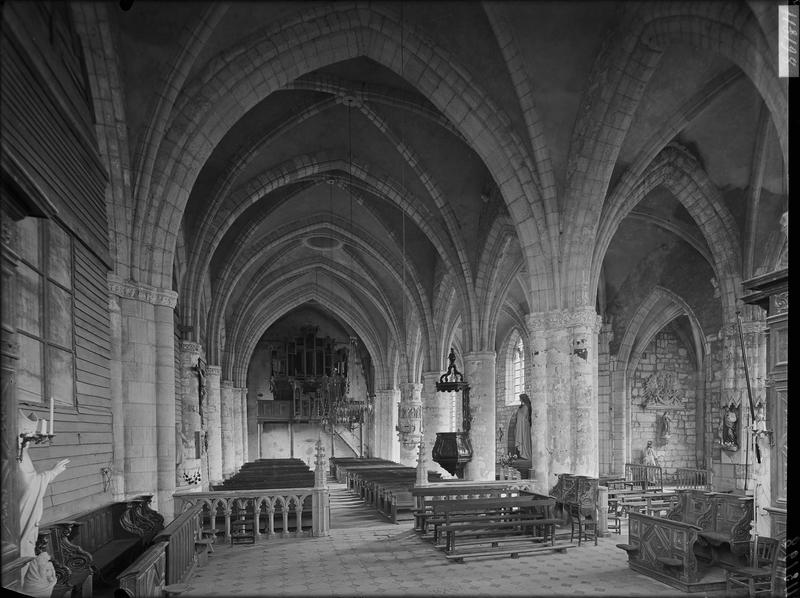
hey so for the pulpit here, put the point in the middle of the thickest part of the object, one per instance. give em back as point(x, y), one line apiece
point(453, 450)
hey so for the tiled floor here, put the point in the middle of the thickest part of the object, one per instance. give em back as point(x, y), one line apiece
point(367, 556)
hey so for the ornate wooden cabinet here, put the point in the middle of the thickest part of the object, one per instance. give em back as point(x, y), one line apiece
point(771, 292)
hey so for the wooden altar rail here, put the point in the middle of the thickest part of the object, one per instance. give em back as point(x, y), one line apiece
point(647, 477)
point(228, 505)
point(686, 477)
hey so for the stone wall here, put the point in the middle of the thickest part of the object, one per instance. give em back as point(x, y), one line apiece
point(665, 355)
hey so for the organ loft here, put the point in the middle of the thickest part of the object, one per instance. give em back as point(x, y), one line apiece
point(380, 298)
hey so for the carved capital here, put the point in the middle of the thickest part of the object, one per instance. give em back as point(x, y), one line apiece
point(189, 347)
point(214, 370)
point(141, 292)
point(226, 384)
point(564, 318)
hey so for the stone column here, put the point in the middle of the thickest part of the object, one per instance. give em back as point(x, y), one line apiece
point(237, 429)
point(583, 325)
point(165, 401)
point(540, 470)
point(564, 389)
point(143, 390)
point(139, 390)
point(226, 425)
point(384, 424)
point(436, 411)
point(117, 401)
point(409, 420)
point(605, 408)
point(245, 434)
point(391, 439)
point(479, 373)
point(213, 424)
point(558, 400)
point(190, 464)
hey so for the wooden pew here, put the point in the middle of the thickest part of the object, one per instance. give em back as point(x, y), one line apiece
point(664, 550)
point(95, 545)
point(724, 519)
point(423, 495)
point(169, 561)
point(650, 503)
point(493, 521)
point(340, 465)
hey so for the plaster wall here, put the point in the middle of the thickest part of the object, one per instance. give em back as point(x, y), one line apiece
point(297, 441)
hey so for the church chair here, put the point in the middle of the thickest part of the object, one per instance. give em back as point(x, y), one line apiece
point(759, 580)
point(583, 523)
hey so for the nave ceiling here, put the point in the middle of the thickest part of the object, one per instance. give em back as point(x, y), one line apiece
point(416, 165)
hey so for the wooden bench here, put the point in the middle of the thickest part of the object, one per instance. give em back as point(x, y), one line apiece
point(97, 544)
point(423, 495)
point(650, 503)
point(494, 518)
point(339, 465)
point(724, 519)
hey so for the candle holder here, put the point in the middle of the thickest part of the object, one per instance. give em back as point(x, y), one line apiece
point(36, 438)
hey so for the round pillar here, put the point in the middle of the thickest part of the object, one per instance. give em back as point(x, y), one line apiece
point(213, 424)
point(540, 466)
point(479, 373)
point(409, 421)
point(165, 403)
point(435, 418)
point(228, 450)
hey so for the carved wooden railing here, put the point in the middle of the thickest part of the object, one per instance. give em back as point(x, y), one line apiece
point(170, 560)
point(146, 576)
point(221, 509)
point(140, 519)
point(180, 538)
point(650, 477)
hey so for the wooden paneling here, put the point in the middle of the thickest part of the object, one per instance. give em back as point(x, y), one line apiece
point(48, 135)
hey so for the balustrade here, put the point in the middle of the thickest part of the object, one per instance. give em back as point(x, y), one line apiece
point(254, 505)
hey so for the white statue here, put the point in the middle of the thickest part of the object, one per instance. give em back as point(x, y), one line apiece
point(32, 486)
point(40, 577)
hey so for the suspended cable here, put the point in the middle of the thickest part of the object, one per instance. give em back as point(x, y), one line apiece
point(403, 178)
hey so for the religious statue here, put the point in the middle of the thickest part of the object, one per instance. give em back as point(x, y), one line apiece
point(730, 436)
point(650, 457)
point(522, 432)
point(201, 383)
point(32, 488)
point(666, 426)
point(40, 574)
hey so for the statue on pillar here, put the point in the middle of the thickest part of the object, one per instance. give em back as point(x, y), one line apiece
point(522, 432)
point(730, 434)
point(32, 487)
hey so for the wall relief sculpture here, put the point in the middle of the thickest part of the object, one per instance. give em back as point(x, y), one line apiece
point(660, 389)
